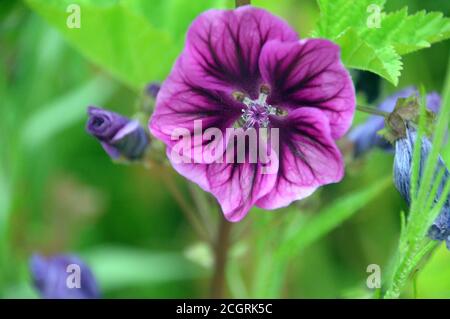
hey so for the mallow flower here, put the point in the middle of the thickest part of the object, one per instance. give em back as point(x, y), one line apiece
point(246, 70)
point(404, 150)
point(63, 277)
point(364, 136)
point(119, 136)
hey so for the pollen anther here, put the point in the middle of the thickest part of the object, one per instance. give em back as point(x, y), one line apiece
point(257, 112)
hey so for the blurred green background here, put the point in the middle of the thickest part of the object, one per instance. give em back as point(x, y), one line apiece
point(59, 191)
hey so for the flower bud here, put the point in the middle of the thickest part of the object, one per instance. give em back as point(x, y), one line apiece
point(118, 135)
point(63, 277)
point(434, 102)
point(364, 137)
point(404, 150)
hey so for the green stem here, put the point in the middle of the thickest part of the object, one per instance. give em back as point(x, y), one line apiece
point(221, 248)
point(202, 205)
point(407, 266)
point(411, 247)
point(371, 110)
point(186, 208)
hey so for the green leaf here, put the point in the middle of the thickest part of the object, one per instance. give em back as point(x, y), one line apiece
point(330, 218)
point(119, 267)
point(336, 16)
point(269, 275)
point(114, 37)
point(356, 53)
point(173, 16)
point(137, 41)
point(415, 32)
point(374, 49)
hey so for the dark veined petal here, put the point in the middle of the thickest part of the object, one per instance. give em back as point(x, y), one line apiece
point(227, 51)
point(236, 185)
point(308, 158)
point(181, 104)
point(223, 47)
point(309, 73)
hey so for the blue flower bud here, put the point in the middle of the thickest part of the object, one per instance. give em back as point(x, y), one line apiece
point(118, 135)
point(404, 150)
point(364, 137)
point(434, 102)
point(63, 277)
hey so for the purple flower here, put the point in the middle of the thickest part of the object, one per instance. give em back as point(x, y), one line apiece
point(118, 135)
point(364, 137)
point(63, 277)
point(404, 150)
point(246, 68)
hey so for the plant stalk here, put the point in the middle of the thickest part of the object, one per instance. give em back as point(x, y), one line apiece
point(371, 110)
point(221, 249)
point(166, 175)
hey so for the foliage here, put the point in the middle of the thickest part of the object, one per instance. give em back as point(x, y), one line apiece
point(378, 48)
point(135, 40)
point(412, 244)
point(60, 193)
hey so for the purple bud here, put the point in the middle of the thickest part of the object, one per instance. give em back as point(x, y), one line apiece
point(365, 137)
point(434, 102)
point(152, 89)
point(404, 150)
point(63, 277)
point(118, 135)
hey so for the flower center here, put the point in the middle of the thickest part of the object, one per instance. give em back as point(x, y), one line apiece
point(256, 112)
point(98, 121)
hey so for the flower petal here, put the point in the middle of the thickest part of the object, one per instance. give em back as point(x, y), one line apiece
point(308, 158)
point(223, 47)
point(237, 186)
point(181, 104)
point(309, 73)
